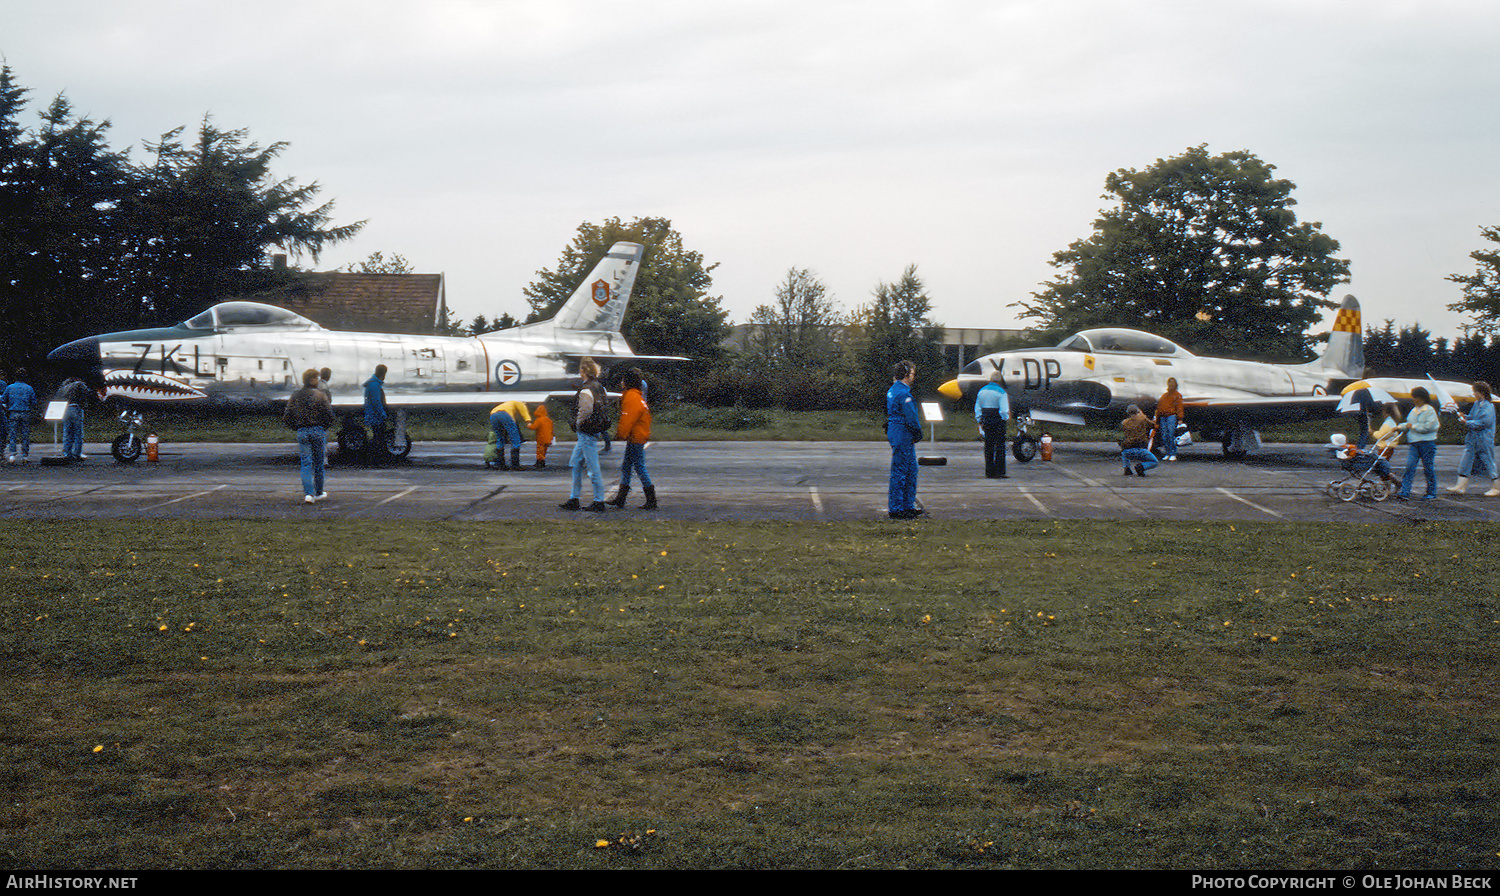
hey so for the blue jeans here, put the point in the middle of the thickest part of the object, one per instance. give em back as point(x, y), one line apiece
point(586, 453)
point(1478, 458)
point(505, 429)
point(1426, 452)
point(73, 431)
point(1141, 456)
point(312, 445)
point(20, 433)
point(902, 494)
point(1168, 435)
point(635, 459)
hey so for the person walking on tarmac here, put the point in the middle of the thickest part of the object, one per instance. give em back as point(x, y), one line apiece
point(992, 410)
point(903, 430)
point(590, 423)
point(635, 430)
point(310, 413)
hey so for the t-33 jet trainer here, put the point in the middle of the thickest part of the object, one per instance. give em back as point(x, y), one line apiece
point(1094, 375)
point(252, 355)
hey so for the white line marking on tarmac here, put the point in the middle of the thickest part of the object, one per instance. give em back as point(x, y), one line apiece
point(395, 496)
point(1231, 494)
point(1032, 498)
point(186, 497)
point(817, 501)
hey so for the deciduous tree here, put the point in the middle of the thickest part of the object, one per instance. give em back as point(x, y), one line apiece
point(897, 325)
point(800, 330)
point(1202, 249)
point(670, 312)
point(1482, 288)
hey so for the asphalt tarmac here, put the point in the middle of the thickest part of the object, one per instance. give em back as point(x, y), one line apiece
point(717, 481)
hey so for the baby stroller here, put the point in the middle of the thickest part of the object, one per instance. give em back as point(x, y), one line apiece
point(1365, 472)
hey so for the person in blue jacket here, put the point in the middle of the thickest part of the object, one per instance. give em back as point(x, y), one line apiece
point(20, 404)
point(992, 411)
point(1479, 442)
point(375, 411)
point(903, 429)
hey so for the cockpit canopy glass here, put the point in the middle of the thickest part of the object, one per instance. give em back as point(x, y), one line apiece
point(1113, 339)
point(247, 314)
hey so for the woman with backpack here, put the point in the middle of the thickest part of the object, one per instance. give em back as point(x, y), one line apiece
point(591, 420)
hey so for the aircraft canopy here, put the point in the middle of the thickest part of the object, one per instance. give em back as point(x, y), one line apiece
point(1116, 339)
point(232, 315)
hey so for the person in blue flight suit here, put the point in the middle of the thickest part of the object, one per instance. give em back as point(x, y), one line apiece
point(903, 429)
point(992, 411)
point(375, 412)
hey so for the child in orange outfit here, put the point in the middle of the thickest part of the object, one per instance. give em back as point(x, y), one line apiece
point(542, 426)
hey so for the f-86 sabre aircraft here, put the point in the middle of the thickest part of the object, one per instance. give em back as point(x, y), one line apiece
point(252, 355)
point(1094, 375)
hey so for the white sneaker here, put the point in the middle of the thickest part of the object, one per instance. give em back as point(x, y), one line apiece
point(80, 455)
point(321, 496)
point(309, 499)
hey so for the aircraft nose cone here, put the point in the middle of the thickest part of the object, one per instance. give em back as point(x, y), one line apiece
point(84, 350)
point(951, 390)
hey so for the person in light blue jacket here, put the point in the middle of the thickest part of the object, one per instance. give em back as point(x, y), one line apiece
point(991, 411)
point(1479, 442)
point(1421, 428)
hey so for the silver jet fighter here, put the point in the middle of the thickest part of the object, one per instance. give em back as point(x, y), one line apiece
point(1094, 375)
point(252, 355)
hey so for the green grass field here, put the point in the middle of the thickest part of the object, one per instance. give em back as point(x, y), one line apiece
point(679, 695)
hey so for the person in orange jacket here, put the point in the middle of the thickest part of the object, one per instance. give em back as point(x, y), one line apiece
point(635, 431)
point(541, 424)
point(1168, 413)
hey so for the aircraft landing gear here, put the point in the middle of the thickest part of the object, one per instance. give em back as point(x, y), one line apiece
point(352, 439)
point(128, 445)
point(355, 442)
point(1023, 449)
point(1239, 441)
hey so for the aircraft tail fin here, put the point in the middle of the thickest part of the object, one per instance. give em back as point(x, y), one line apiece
point(599, 301)
point(1345, 352)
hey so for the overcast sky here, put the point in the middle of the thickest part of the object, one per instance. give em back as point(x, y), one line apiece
point(968, 137)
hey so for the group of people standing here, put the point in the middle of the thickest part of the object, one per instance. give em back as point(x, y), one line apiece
point(18, 407)
point(309, 411)
point(592, 423)
point(1137, 431)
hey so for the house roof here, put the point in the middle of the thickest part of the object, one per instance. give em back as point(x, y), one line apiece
point(378, 303)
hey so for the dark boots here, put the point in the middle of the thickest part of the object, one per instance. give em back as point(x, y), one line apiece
point(619, 500)
point(515, 458)
point(650, 498)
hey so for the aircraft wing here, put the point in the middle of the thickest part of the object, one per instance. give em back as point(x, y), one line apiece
point(1267, 411)
point(451, 399)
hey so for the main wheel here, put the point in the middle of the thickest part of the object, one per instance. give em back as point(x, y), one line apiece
point(1380, 490)
point(126, 448)
point(352, 441)
point(397, 452)
point(1024, 448)
point(1348, 490)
